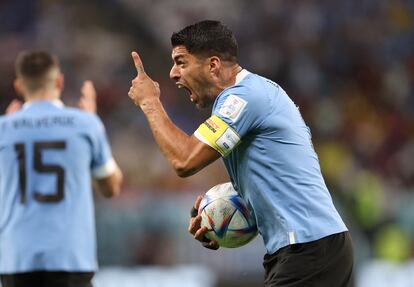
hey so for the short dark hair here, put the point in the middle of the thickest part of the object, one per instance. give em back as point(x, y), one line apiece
point(33, 67)
point(207, 38)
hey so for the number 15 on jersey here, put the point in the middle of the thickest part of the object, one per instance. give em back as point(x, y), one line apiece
point(40, 167)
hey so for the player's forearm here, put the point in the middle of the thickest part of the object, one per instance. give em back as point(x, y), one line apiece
point(172, 141)
point(110, 186)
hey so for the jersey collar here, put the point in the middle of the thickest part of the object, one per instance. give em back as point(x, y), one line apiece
point(241, 75)
point(57, 103)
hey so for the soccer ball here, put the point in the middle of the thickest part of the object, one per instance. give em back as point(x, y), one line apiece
point(227, 217)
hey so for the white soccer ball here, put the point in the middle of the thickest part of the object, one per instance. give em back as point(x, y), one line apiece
point(227, 217)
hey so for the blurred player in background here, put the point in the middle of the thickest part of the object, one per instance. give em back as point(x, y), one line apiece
point(266, 147)
point(48, 153)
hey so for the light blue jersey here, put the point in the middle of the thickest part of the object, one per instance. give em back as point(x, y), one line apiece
point(267, 150)
point(48, 154)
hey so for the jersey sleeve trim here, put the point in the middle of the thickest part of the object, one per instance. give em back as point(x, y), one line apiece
point(105, 170)
point(218, 134)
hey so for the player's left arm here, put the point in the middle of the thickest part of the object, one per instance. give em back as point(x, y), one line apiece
point(87, 100)
point(108, 176)
point(110, 185)
point(106, 172)
point(187, 154)
point(194, 227)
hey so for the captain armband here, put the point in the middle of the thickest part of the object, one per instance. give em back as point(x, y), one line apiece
point(218, 134)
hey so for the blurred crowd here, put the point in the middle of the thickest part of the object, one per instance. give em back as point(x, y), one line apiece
point(348, 65)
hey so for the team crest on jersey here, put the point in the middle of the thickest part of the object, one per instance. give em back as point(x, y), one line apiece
point(232, 107)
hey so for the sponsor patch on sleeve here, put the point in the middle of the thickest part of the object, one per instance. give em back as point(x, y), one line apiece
point(218, 134)
point(232, 107)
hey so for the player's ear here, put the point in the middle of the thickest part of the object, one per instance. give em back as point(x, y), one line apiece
point(18, 87)
point(60, 81)
point(215, 64)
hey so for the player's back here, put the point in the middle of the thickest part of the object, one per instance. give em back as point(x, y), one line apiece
point(46, 204)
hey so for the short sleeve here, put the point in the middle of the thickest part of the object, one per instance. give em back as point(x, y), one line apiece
point(103, 163)
point(234, 115)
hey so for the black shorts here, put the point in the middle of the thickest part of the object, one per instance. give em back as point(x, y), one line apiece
point(47, 279)
point(324, 262)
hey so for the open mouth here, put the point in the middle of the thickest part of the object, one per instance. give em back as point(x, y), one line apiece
point(181, 86)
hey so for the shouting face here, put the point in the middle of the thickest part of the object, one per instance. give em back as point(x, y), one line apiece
point(193, 74)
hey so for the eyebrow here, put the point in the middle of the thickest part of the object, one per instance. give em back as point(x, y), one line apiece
point(178, 57)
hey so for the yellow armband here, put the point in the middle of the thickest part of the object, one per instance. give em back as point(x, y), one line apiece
point(218, 134)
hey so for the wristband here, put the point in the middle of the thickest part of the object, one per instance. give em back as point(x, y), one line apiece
point(207, 245)
point(194, 212)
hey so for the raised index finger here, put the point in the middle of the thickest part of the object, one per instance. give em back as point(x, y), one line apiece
point(138, 63)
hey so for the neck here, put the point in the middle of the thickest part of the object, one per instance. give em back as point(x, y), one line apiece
point(48, 95)
point(229, 76)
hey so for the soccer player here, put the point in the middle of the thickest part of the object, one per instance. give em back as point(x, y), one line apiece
point(266, 147)
point(48, 153)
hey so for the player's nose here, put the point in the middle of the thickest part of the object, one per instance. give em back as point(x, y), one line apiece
point(174, 73)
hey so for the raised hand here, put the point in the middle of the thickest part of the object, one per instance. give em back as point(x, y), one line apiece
point(143, 88)
point(13, 107)
point(87, 101)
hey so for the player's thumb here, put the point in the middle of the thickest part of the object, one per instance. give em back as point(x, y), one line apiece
point(138, 63)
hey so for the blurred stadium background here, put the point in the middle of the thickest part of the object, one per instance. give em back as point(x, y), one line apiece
point(349, 65)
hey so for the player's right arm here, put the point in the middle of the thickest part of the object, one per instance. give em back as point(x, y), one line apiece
point(187, 154)
point(13, 107)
